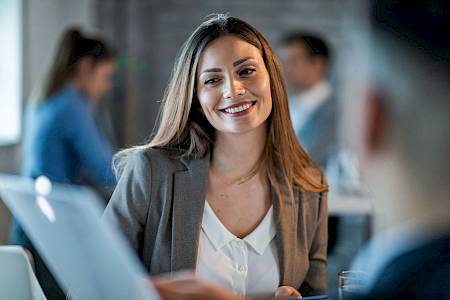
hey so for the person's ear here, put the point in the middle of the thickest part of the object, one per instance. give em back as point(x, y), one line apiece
point(376, 121)
point(320, 64)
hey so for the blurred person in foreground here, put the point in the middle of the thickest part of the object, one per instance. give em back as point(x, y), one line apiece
point(61, 140)
point(405, 151)
point(306, 59)
point(404, 148)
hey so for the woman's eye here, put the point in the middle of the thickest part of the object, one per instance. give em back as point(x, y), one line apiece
point(211, 81)
point(247, 71)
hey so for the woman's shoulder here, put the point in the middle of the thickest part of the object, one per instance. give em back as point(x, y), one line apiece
point(145, 158)
point(66, 103)
point(164, 155)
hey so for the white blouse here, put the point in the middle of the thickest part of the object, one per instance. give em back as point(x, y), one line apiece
point(246, 266)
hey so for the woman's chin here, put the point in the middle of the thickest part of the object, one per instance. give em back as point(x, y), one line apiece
point(240, 129)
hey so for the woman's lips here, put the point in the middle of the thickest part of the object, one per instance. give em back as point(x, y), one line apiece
point(239, 109)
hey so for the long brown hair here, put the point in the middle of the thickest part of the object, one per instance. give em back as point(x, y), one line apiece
point(71, 49)
point(184, 127)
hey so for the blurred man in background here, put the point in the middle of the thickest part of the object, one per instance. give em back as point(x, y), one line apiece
point(306, 59)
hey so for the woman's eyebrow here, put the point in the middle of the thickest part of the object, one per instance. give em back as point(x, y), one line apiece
point(212, 70)
point(236, 63)
point(242, 60)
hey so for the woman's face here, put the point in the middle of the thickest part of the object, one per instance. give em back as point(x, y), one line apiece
point(233, 85)
point(97, 79)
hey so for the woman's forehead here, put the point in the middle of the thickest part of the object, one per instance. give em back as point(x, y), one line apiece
point(226, 50)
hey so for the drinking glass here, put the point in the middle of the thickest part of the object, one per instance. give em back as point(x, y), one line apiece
point(352, 284)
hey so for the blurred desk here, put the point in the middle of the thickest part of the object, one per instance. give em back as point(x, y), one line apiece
point(345, 204)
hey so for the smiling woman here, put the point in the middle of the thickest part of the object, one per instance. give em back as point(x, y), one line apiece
point(223, 187)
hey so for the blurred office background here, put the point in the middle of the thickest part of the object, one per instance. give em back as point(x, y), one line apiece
point(147, 35)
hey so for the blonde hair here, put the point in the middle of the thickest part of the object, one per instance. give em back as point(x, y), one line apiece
point(183, 126)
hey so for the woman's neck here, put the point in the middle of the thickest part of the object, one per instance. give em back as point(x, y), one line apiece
point(235, 155)
point(78, 85)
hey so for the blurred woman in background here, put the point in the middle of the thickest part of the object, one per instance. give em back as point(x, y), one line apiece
point(61, 140)
point(223, 187)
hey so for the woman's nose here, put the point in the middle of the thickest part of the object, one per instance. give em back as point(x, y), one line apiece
point(233, 88)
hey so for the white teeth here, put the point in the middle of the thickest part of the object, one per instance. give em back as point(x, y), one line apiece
point(238, 109)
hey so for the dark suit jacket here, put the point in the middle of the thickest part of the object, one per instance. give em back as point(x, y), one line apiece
point(159, 202)
point(421, 273)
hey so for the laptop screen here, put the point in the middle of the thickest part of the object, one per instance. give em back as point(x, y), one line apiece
point(89, 259)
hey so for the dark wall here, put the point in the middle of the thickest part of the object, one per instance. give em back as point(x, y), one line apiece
point(148, 35)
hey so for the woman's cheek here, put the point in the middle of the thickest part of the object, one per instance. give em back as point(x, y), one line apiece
point(207, 102)
point(213, 99)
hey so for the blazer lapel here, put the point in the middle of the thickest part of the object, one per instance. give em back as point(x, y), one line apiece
point(188, 205)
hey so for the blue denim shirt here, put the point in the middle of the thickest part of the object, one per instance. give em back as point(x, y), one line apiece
point(62, 142)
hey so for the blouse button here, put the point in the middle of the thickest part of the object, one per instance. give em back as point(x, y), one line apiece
point(241, 268)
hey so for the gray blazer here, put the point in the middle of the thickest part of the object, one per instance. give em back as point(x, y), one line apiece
point(158, 204)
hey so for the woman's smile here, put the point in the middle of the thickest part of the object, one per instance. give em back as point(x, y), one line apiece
point(239, 109)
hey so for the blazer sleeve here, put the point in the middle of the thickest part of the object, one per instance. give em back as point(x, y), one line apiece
point(315, 282)
point(129, 204)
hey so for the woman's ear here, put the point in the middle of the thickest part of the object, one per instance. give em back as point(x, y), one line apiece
point(85, 66)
